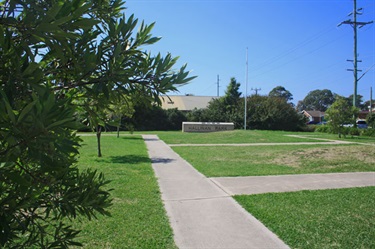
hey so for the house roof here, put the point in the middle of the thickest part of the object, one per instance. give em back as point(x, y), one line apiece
point(185, 102)
point(315, 114)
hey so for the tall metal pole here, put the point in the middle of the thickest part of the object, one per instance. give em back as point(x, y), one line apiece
point(247, 76)
point(371, 100)
point(218, 86)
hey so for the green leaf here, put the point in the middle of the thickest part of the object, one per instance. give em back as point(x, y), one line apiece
point(85, 23)
point(31, 68)
point(81, 10)
point(25, 111)
point(60, 122)
point(52, 12)
point(62, 20)
point(10, 113)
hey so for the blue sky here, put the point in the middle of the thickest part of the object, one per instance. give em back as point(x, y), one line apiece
point(292, 43)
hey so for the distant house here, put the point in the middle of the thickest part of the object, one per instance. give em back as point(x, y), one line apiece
point(363, 114)
point(185, 102)
point(314, 117)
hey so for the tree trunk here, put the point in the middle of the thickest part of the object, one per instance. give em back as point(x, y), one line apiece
point(98, 135)
point(118, 128)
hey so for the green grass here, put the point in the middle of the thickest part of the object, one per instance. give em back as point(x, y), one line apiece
point(215, 161)
point(356, 139)
point(343, 218)
point(236, 136)
point(138, 216)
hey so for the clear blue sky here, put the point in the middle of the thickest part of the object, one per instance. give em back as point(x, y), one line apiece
point(292, 43)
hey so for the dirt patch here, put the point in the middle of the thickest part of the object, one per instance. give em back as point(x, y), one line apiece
point(329, 155)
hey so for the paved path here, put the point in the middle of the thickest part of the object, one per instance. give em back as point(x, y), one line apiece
point(201, 214)
point(287, 183)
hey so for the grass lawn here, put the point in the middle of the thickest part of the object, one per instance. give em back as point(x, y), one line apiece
point(356, 139)
point(340, 218)
point(138, 216)
point(275, 160)
point(236, 136)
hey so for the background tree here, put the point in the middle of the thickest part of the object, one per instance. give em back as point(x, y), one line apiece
point(223, 109)
point(281, 92)
point(301, 106)
point(359, 102)
point(272, 113)
point(339, 113)
point(232, 95)
point(53, 55)
point(318, 100)
point(119, 109)
point(366, 105)
point(371, 120)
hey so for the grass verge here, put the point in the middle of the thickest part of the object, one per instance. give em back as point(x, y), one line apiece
point(340, 218)
point(138, 216)
point(277, 160)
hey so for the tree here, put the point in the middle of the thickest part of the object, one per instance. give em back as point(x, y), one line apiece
point(272, 113)
point(53, 55)
point(121, 107)
point(339, 113)
point(318, 100)
point(232, 95)
point(368, 105)
point(370, 119)
point(359, 101)
point(281, 92)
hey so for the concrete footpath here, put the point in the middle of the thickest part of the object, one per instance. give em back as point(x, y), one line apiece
point(288, 183)
point(202, 212)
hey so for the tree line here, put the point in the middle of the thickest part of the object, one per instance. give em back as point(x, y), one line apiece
point(274, 111)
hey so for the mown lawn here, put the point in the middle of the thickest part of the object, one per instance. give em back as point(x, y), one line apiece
point(340, 218)
point(215, 161)
point(236, 136)
point(138, 216)
point(252, 136)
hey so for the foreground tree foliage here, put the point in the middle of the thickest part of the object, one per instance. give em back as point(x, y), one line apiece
point(57, 56)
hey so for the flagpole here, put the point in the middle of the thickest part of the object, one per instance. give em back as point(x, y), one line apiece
point(247, 75)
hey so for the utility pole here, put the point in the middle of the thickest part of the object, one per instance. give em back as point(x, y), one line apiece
point(218, 85)
point(355, 26)
point(256, 90)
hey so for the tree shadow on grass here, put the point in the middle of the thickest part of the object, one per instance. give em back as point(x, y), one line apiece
point(131, 137)
point(128, 159)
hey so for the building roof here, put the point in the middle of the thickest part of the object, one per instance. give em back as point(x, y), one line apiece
point(313, 113)
point(185, 102)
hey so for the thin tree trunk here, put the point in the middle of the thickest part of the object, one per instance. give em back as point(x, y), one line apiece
point(118, 128)
point(98, 135)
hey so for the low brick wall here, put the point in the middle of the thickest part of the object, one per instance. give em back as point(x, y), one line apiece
point(206, 126)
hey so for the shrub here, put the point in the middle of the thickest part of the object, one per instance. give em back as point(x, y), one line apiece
point(309, 128)
point(368, 132)
point(324, 129)
point(354, 131)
